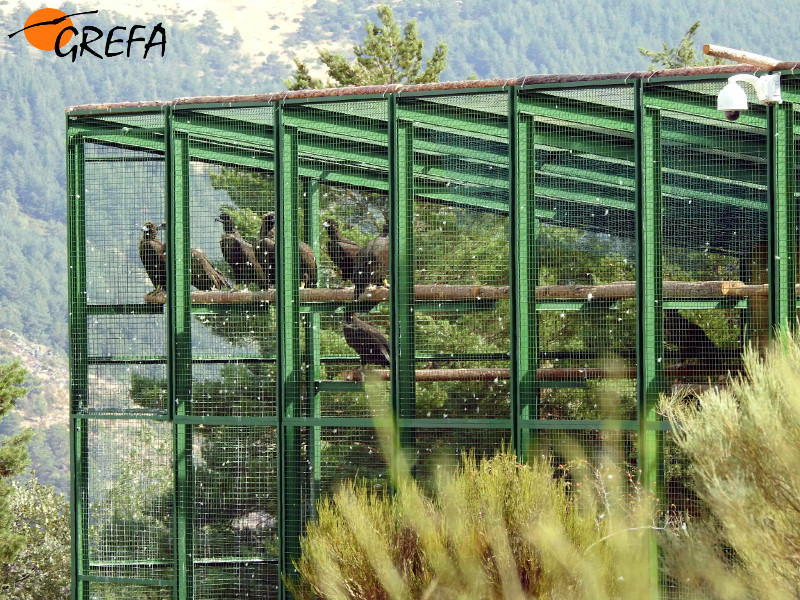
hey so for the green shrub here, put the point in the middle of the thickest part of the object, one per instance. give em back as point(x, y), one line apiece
point(744, 446)
point(494, 529)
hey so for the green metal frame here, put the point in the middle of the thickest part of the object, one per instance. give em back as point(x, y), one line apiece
point(499, 165)
point(649, 294)
point(401, 269)
point(179, 359)
point(78, 364)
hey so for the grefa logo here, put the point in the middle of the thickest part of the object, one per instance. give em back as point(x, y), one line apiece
point(50, 29)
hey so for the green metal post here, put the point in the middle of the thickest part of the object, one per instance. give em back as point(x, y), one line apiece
point(289, 359)
point(179, 353)
point(782, 240)
point(649, 298)
point(78, 365)
point(524, 274)
point(401, 271)
point(312, 346)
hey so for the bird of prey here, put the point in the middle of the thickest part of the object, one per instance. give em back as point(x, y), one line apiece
point(239, 254)
point(206, 276)
point(264, 248)
point(368, 341)
point(342, 251)
point(153, 253)
point(689, 339)
point(372, 263)
point(265, 253)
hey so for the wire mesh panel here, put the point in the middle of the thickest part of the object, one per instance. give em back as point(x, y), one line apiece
point(235, 511)
point(584, 175)
point(438, 452)
point(715, 184)
point(123, 466)
point(128, 499)
point(461, 251)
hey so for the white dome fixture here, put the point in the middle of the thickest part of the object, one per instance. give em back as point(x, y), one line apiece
point(732, 100)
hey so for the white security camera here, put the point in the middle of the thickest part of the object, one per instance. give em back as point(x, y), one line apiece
point(732, 99)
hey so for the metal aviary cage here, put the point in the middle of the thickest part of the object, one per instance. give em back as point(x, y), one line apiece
point(528, 262)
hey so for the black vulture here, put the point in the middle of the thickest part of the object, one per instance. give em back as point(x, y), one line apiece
point(206, 276)
point(153, 253)
point(265, 253)
point(372, 263)
point(689, 339)
point(370, 343)
point(264, 248)
point(342, 251)
point(239, 254)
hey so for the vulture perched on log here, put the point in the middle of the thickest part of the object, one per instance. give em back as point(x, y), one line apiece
point(206, 276)
point(342, 251)
point(153, 253)
point(264, 248)
point(370, 343)
point(239, 254)
point(372, 263)
point(265, 253)
point(689, 339)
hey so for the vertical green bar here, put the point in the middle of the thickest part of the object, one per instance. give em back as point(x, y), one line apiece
point(649, 298)
point(179, 356)
point(78, 366)
point(312, 345)
point(288, 360)
point(401, 270)
point(782, 215)
point(524, 274)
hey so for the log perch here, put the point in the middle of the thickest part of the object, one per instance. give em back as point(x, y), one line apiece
point(740, 56)
point(619, 290)
point(550, 374)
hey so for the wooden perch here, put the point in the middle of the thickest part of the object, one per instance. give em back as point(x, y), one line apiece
point(433, 292)
point(740, 56)
point(551, 374)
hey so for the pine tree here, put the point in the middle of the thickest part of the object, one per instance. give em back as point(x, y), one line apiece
point(682, 55)
point(13, 459)
point(387, 56)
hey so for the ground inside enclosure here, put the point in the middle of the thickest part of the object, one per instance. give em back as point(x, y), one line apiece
point(253, 285)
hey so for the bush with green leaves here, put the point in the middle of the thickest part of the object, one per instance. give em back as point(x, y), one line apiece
point(494, 529)
point(743, 446)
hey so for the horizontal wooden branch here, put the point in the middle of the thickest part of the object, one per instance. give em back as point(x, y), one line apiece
point(551, 374)
point(740, 56)
point(432, 292)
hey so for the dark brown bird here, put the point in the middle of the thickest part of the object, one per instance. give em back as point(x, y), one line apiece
point(342, 251)
point(265, 254)
point(206, 276)
point(372, 263)
point(264, 248)
point(688, 339)
point(239, 254)
point(368, 341)
point(153, 253)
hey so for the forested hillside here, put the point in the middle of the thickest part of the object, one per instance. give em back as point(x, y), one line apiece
point(508, 38)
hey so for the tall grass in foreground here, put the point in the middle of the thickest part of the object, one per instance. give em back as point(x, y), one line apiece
point(494, 529)
point(744, 445)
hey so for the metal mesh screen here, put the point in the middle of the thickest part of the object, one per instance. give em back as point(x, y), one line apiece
point(256, 287)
